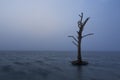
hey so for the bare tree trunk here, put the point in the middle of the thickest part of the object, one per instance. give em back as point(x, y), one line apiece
point(79, 52)
point(77, 41)
point(79, 57)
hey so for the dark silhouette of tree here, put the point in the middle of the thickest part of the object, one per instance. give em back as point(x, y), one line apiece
point(77, 41)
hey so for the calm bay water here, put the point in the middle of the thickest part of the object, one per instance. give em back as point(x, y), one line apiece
point(55, 65)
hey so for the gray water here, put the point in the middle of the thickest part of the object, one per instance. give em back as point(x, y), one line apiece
point(55, 65)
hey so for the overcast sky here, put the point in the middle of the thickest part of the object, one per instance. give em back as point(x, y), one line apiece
point(45, 24)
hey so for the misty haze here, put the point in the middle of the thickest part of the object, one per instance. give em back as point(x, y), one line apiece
point(34, 43)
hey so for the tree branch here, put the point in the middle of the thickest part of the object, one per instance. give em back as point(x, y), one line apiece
point(85, 21)
point(81, 17)
point(75, 43)
point(80, 21)
point(73, 38)
point(87, 35)
point(83, 24)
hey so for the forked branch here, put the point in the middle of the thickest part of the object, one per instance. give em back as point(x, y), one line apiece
point(80, 21)
point(81, 17)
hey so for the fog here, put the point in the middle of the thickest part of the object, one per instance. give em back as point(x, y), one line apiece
point(45, 25)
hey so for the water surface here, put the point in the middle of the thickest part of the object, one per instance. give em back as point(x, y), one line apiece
point(55, 65)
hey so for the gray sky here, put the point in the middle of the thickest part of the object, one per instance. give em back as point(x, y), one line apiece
point(45, 24)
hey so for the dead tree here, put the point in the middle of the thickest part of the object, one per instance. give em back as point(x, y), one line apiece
point(77, 41)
